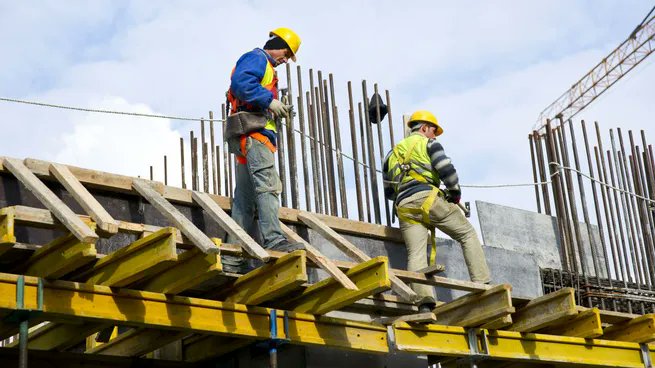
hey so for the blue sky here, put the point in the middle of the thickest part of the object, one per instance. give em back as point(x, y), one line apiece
point(486, 69)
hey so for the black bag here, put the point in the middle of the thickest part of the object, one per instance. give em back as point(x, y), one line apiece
point(241, 123)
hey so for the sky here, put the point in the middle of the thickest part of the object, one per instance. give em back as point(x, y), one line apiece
point(485, 69)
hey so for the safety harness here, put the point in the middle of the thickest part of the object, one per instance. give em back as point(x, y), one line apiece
point(407, 166)
point(258, 137)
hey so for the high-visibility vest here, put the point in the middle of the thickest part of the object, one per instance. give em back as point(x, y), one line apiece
point(269, 81)
point(410, 161)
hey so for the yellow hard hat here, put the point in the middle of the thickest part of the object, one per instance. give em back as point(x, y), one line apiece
point(427, 117)
point(290, 37)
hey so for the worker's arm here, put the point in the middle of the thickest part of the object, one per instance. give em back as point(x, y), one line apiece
point(246, 80)
point(388, 186)
point(447, 173)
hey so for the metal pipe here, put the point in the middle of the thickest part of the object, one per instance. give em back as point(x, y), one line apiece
point(355, 151)
point(534, 173)
point(182, 163)
point(213, 152)
point(364, 161)
point(303, 139)
point(371, 156)
point(337, 140)
point(291, 142)
point(23, 329)
point(389, 118)
point(378, 118)
point(542, 171)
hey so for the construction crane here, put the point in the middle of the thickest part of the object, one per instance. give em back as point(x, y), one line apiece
point(635, 49)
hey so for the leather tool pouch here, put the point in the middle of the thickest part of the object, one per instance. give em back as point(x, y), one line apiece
point(242, 123)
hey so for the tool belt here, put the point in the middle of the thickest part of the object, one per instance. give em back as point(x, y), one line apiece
point(424, 211)
point(241, 157)
point(242, 123)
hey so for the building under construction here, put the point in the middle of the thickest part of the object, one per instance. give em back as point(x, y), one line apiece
point(104, 270)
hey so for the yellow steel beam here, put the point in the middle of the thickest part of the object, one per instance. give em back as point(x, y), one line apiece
point(63, 300)
point(640, 329)
point(545, 311)
point(519, 347)
point(137, 342)
point(60, 257)
point(142, 258)
point(7, 236)
point(192, 268)
point(476, 308)
point(371, 277)
point(586, 324)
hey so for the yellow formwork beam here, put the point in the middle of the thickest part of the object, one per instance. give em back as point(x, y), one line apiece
point(60, 257)
point(64, 300)
point(640, 329)
point(371, 277)
point(545, 311)
point(136, 342)
point(142, 258)
point(478, 308)
point(192, 268)
point(518, 347)
point(7, 223)
point(586, 324)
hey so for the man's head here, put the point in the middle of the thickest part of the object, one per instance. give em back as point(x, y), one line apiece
point(424, 123)
point(282, 45)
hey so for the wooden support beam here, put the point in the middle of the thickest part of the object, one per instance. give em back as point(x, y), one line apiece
point(92, 207)
point(499, 323)
point(57, 336)
point(192, 268)
point(141, 259)
point(585, 324)
point(319, 259)
point(476, 309)
point(59, 257)
point(371, 277)
point(203, 347)
point(185, 225)
point(409, 318)
point(353, 252)
point(433, 269)
point(640, 329)
point(229, 225)
point(137, 342)
point(51, 201)
point(270, 281)
point(545, 311)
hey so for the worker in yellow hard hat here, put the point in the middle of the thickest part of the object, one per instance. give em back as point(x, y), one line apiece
point(413, 171)
point(254, 91)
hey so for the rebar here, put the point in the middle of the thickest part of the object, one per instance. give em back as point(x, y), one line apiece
point(355, 153)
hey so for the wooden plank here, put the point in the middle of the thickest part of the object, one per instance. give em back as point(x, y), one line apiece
point(137, 342)
point(353, 252)
point(51, 201)
point(319, 259)
point(475, 309)
point(499, 323)
point(59, 257)
point(229, 225)
point(139, 260)
point(545, 311)
point(57, 336)
point(409, 318)
point(640, 330)
point(185, 225)
point(431, 270)
point(585, 324)
point(92, 207)
point(192, 268)
point(371, 277)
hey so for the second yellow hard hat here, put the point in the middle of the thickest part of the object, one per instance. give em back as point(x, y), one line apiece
point(425, 116)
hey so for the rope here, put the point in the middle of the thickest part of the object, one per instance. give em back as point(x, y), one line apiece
point(41, 104)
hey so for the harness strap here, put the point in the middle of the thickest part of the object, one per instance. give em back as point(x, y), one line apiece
point(424, 211)
point(258, 137)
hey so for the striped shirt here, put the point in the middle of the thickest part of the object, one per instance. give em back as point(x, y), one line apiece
point(441, 164)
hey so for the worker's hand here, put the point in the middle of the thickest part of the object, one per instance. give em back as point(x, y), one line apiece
point(280, 109)
point(453, 197)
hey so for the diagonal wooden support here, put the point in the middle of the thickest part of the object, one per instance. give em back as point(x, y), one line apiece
point(353, 252)
point(92, 207)
point(545, 311)
point(475, 309)
point(319, 259)
point(585, 324)
point(192, 268)
point(185, 225)
point(64, 214)
point(428, 317)
point(139, 260)
point(60, 257)
point(640, 329)
point(229, 225)
point(371, 277)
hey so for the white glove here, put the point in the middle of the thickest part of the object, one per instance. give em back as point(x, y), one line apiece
point(279, 109)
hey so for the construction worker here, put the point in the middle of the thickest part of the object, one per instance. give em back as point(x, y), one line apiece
point(413, 171)
point(254, 88)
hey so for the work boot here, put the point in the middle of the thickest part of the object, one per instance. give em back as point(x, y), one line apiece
point(287, 246)
point(426, 304)
point(233, 264)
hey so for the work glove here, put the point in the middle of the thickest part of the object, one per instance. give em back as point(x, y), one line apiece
point(280, 109)
point(453, 197)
